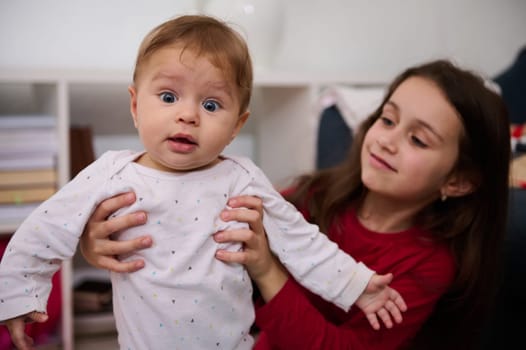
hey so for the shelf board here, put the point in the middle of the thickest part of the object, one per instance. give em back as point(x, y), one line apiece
point(70, 76)
point(94, 323)
point(7, 228)
point(262, 77)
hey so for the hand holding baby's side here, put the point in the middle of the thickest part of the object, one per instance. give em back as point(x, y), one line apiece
point(95, 243)
point(16, 327)
point(379, 301)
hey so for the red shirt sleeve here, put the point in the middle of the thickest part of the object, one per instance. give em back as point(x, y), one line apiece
point(297, 319)
point(290, 321)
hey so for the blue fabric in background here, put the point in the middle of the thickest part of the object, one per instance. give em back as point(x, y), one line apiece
point(512, 83)
point(334, 138)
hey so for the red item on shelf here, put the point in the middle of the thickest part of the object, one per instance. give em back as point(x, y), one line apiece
point(516, 131)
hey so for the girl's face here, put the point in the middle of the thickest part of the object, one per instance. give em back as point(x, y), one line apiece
point(185, 109)
point(409, 152)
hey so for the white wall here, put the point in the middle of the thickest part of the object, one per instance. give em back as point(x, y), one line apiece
point(385, 36)
point(85, 34)
point(376, 37)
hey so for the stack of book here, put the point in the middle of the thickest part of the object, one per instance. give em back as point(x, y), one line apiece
point(28, 172)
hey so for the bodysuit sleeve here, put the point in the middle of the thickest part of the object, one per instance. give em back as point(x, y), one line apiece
point(48, 236)
point(309, 255)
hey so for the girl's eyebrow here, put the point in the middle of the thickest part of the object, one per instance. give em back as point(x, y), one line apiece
point(392, 104)
point(420, 122)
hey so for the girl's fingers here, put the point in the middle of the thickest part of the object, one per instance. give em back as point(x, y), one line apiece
point(108, 206)
point(111, 248)
point(113, 264)
point(249, 202)
point(241, 214)
point(234, 236)
point(232, 257)
point(102, 253)
point(106, 227)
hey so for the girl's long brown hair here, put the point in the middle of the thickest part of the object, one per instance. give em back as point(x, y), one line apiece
point(473, 226)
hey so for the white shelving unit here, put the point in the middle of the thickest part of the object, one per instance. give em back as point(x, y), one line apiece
point(282, 126)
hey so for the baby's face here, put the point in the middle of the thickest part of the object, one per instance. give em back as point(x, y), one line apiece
point(185, 110)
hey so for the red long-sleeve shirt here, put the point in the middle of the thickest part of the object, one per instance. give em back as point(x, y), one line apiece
point(298, 319)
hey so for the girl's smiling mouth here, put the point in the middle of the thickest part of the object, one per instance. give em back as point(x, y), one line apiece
point(378, 162)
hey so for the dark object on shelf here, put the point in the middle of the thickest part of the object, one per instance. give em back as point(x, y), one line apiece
point(81, 149)
point(520, 148)
point(92, 296)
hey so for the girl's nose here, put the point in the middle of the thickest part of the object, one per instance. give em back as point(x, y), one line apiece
point(387, 143)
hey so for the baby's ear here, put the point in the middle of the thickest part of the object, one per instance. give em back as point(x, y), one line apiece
point(133, 103)
point(458, 186)
point(242, 119)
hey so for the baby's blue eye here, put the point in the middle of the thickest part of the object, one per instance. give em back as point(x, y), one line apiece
point(210, 106)
point(168, 97)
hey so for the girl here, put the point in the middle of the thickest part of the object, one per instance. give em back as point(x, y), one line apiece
point(423, 194)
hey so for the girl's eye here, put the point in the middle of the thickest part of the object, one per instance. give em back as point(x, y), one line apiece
point(386, 121)
point(168, 97)
point(418, 142)
point(210, 105)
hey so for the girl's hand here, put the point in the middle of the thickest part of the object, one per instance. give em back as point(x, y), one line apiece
point(16, 327)
point(381, 301)
point(95, 243)
point(263, 267)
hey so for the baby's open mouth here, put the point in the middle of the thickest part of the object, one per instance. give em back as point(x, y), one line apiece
point(183, 139)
